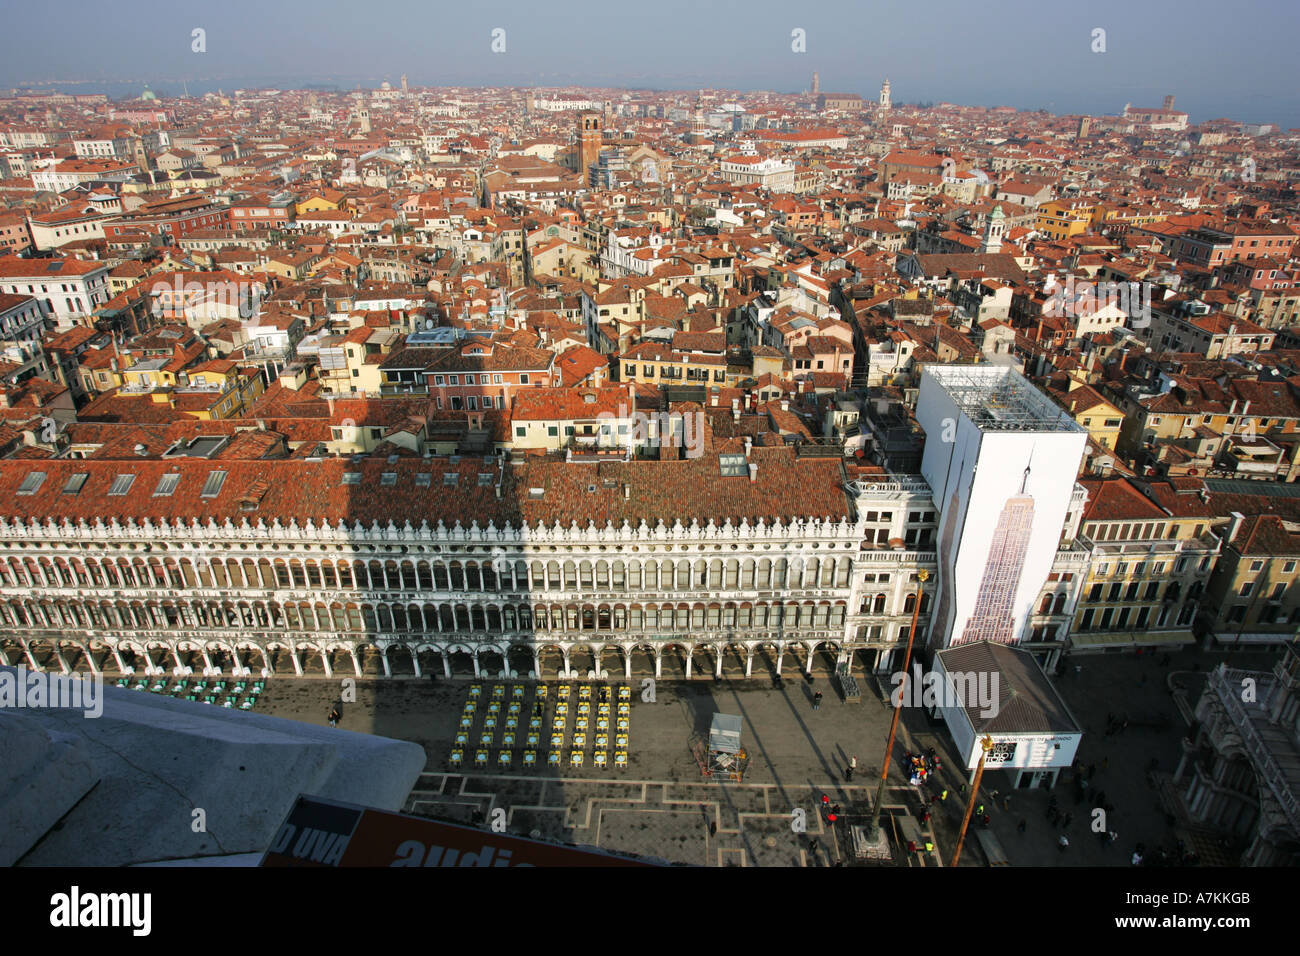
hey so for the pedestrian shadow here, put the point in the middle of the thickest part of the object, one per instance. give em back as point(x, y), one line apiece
point(803, 725)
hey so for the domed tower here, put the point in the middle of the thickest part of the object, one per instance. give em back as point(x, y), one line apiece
point(993, 231)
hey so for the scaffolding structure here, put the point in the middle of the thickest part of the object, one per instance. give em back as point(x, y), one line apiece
point(720, 755)
point(996, 398)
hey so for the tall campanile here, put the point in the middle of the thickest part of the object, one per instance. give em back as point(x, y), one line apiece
point(589, 140)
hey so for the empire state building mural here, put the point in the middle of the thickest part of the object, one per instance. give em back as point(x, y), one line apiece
point(993, 616)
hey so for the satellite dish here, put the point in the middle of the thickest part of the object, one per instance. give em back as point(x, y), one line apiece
point(428, 324)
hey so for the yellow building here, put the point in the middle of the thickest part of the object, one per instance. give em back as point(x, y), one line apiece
point(1152, 557)
point(1120, 218)
point(660, 365)
point(215, 389)
point(1254, 596)
point(1090, 409)
point(1063, 218)
point(321, 201)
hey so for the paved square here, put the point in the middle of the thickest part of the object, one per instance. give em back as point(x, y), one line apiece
point(662, 807)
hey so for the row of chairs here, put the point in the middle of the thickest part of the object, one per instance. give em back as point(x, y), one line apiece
point(600, 759)
point(229, 694)
point(601, 720)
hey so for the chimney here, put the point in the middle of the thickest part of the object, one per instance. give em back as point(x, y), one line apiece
point(627, 491)
point(753, 472)
point(1236, 519)
point(785, 405)
point(4, 400)
point(735, 409)
point(749, 443)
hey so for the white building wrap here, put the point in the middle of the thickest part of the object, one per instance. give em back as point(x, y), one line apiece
point(1002, 460)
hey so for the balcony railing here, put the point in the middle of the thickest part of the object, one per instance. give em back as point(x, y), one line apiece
point(1227, 686)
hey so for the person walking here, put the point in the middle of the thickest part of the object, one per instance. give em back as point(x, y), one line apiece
point(848, 772)
point(944, 795)
point(1062, 843)
point(817, 701)
point(1006, 804)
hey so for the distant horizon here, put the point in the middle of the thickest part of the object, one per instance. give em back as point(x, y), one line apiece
point(167, 88)
point(1085, 59)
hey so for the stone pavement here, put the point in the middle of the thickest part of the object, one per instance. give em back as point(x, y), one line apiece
point(700, 823)
point(661, 806)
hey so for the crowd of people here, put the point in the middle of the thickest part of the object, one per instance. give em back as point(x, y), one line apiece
point(921, 766)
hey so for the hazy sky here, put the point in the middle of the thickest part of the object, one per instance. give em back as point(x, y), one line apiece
point(1236, 60)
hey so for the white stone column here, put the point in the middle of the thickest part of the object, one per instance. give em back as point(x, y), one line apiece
point(383, 658)
point(234, 656)
point(690, 659)
point(31, 658)
point(749, 663)
point(356, 661)
point(297, 664)
point(537, 665)
point(121, 664)
point(4, 658)
point(325, 661)
point(207, 659)
point(63, 661)
point(811, 655)
point(90, 659)
point(659, 664)
point(415, 660)
point(717, 667)
point(627, 665)
point(780, 657)
point(446, 664)
point(477, 672)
